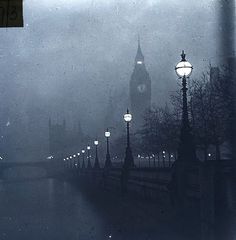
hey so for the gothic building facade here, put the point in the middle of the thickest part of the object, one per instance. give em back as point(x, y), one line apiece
point(140, 89)
point(64, 141)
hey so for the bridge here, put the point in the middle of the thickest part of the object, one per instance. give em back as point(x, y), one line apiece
point(51, 168)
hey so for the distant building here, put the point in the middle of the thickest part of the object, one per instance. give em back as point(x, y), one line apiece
point(140, 89)
point(57, 136)
point(63, 141)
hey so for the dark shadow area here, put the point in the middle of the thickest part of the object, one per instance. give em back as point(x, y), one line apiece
point(54, 209)
point(134, 217)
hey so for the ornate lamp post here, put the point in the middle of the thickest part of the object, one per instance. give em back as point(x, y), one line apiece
point(78, 162)
point(129, 160)
point(71, 164)
point(96, 164)
point(89, 157)
point(83, 163)
point(108, 158)
point(163, 158)
point(74, 162)
point(186, 150)
point(139, 161)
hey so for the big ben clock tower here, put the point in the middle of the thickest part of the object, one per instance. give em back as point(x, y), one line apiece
point(140, 89)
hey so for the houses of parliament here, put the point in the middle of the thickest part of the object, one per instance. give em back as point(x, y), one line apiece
point(61, 140)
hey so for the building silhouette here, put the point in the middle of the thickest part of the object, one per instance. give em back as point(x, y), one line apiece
point(57, 136)
point(140, 89)
point(63, 141)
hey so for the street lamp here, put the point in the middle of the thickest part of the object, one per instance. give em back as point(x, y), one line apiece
point(129, 160)
point(108, 158)
point(71, 164)
point(96, 164)
point(83, 163)
point(74, 163)
point(89, 157)
point(78, 162)
point(63, 163)
point(66, 163)
point(186, 150)
point(163, 158)
point(139, 162)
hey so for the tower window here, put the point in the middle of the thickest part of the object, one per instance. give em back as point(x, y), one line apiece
point(139, 62)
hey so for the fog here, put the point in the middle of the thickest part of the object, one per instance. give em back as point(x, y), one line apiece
point(72, 56)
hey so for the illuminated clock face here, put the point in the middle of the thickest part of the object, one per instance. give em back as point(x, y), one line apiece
point(142, 88)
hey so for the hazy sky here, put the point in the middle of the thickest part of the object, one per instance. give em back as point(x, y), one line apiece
point(72, 54)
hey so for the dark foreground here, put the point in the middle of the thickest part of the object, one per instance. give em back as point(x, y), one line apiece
point(47, 209)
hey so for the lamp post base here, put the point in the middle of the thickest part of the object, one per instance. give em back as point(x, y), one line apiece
point(108, 161)
point(96, 165)
point(89, 164)
point(129, 160)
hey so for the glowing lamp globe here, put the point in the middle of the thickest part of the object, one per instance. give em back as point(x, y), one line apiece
point(83, 151)
point(96, 142)
point(88, 147)
point(183, 68)
point(107, 134)
point(128, 116)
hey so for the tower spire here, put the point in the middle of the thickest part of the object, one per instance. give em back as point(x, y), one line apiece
point(139, 88)
point(139, 59)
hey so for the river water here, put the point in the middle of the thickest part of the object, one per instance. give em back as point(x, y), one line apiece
point(48, 209)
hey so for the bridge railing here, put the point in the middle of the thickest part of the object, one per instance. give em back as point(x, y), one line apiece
point(144, 181)
point(154, 180)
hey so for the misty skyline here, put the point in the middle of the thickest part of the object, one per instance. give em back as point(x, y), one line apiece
point(72, 55)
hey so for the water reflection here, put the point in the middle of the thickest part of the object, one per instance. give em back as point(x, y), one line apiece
point(23, 173)
point(46, 209)
point(51, 209)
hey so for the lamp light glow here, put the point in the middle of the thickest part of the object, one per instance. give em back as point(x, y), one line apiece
point(183, 68)
point(128, 116)
point(107, 134)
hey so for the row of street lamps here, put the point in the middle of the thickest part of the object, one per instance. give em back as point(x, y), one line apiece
point(128, 162)
point(186, 150)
